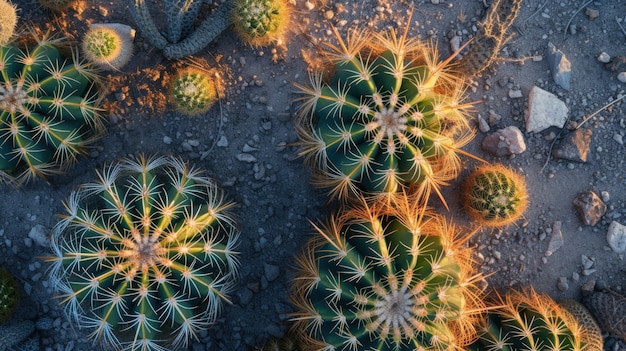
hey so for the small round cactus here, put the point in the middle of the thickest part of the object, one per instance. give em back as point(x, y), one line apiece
point(145, 256)
point(527, 320)
point(9, 295)
point(495, 195)
point(56, 5)
point(386, 276)
point(391, 119)
point(193, 91)
point(8, 21)
point(261, 22)
point(49, 110)
point(107, 46)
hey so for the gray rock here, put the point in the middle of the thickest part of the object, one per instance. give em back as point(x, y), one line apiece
point(544, 110)
point(560, 67)
point(556, 240)
point(574, 146)
point(616, 237)
point(271, 271)
point(39, 234)
point(562, 284)
point(604, 57)
point(505, 142)
point(590, 207)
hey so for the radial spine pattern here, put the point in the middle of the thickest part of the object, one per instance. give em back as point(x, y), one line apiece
point(145, 256)
point(386, 277)
point(391, 117)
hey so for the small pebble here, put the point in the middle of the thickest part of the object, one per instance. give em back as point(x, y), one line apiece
point(604, 57)
point(621, 76)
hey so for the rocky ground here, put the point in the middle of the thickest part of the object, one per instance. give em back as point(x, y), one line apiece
point(246, 144)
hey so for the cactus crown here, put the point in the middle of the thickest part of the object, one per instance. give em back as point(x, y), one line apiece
point(193, 91)
point(106, 47)
point(495, 195)
point(386, 277)
point(49, 110)
point(261, 22)
point(8, 21)
point(145, 256)
point(56, 5)
point(526, 320)
point(392, 117)
point(9, 295)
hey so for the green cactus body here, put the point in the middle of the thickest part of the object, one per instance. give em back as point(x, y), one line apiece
point(49, 111)
point(8, 21)
point(193, 91)
point(495, 195)
point(386, 277)
point(526, 320)
point(56, 5)
point(391, 118)
point(107, 47)
point(9, 295)
point(145, 258)
point(261, 22)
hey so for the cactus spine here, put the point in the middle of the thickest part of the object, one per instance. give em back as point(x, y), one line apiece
point(495, 195)
point(106, 46)
point(56, 5)
point(9, 295)
point(8, 21)
point(261, 22)
point(526, 320)
point(144, 258)
point(391, 118)
point(386, 276)
point(49, 110)
point(193, 91)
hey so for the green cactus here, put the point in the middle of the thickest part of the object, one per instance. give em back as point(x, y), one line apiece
point(527, 320)
point(55, 5)
point(9, 295)
point(261, 22)
point(49, 110)
point(106, 46)
point(392, 117)
point(386, 276)
point(144, 258)
point(193, 91)
point(8, 21)
point(495, 195)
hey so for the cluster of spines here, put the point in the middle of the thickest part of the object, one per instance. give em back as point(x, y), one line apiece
point(261, 22)
point(49, 110)
point(9, 295)
point(107, 47)
point(386, 276)
point(8, 21)
point(193, 91)
point(145, 256)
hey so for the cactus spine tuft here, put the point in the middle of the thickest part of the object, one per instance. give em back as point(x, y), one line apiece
point(56, 5)
point(386, 276)
point(495, 195)
point(193, 91)
point(8, 21)
point(391, 119)
point(261, 22)
point(145, 256)
point(107, 47)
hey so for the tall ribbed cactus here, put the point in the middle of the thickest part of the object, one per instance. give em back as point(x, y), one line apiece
point(49, 110)
point(527, 320)
point(386, 276)
point(144, 258)
point(392, 117)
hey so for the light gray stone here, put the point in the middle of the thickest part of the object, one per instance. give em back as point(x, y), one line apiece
point(39, 234)
point(616, 237)
point(506, 141)
point(556, 240)
point(544, 110)
point(560, 67)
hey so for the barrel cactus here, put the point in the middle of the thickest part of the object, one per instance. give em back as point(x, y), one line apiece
point(107, 46)
point(56, 5)
point(145, 256)
point(392, 118)
point(193, 91)
point(261, 22)
point(49, 110)
point(9, 295)
point(495, 195)
point(527, 320)
point(386, 276)
point(8, 21)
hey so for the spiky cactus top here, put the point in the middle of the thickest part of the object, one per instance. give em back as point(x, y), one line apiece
point(261, 22)
point(8, 21)
point(9, 295)
point(144, 258)
point(193, 91)
point(495, 195)
point(529, 321)
point(107, 46)
point(391, 117)
point(49, 110)
point(389, 276)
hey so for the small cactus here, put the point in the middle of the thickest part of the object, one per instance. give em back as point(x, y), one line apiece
point(261, 22)
point(107, 46)
point(56, 5)
point(193, 91)
point(144, 258)
point(9, 295)
point(527, 320)
point(286, 343)
point(495, 195)
point(391, 119)
point(386, 276)
point(8, 21)
point(49, 110)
